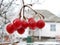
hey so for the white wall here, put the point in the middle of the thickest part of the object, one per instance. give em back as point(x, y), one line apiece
point(47, 32)
point(58, 29)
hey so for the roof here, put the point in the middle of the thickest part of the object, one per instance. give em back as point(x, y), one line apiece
point(49, 16)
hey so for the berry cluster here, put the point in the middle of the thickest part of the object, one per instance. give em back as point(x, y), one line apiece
point(20, 25)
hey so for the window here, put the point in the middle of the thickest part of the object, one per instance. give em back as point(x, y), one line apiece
point(53, 27)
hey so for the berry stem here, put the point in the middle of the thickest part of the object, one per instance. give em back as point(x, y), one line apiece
point(23, 8)
point(40, 15)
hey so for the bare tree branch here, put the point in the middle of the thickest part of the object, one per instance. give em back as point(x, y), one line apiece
point(1, 3)
point(5, 10)
point(8, 7)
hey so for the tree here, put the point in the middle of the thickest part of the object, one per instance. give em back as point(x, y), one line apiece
point(5, 7)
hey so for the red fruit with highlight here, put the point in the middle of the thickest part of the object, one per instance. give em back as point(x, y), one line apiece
point(30, 19)
point(21, 30)
point(10, 28)
point(24, 24)
point(40, 24)
point(17, 23)
point(32, 23)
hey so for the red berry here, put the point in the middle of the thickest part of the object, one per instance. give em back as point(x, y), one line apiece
point(40, 24)
point(30, 19)
point(21, 30)
point(24, 24)
point(32, 23)
point(17, 23)
point(10, 28)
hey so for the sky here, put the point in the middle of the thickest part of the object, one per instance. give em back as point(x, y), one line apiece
point(50, 5)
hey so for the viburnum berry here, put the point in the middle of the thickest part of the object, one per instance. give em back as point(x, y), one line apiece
point(32, 23)
point(21, 30)
point(24, 24)
point(17, 23)
point(10, 28)
point(40, 24)
point(30, 19)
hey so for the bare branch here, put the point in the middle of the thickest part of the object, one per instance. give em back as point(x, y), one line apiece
point(1, 3)
point(8, 6)
point(5, 10)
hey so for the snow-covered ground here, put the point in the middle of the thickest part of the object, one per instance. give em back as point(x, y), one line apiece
point(39, 43)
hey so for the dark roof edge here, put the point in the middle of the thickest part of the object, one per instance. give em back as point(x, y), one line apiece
point(53, 21)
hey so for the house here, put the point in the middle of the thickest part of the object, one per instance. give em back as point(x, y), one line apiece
point(52, 25)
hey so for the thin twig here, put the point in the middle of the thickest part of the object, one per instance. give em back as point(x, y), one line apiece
point(32, 10)
point(8, 7)
point(1, 3)
point(23, 9)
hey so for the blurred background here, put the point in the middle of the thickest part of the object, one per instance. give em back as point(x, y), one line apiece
point(9, 10)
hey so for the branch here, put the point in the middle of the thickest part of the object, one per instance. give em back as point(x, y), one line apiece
point(1, 3)
point(8, 7)
point(32, 10)
point(4, 12)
